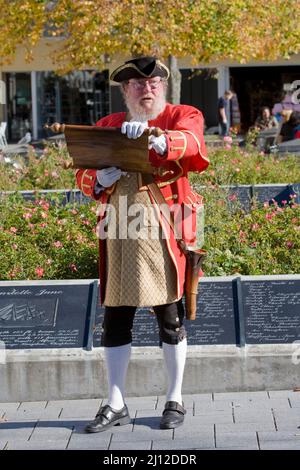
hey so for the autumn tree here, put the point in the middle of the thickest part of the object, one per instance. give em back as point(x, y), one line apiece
point(205, 30)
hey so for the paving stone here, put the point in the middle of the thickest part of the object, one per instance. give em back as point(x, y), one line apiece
point(197, 442)
point(281, 394)
point(243, 427)
point(241, 396)
point(51, 430)
point(279, 440)
point(3, 443)
point(138, 445)
point(192, 429)
point(247, 439)
point(143, 434)
point(221, 405)
point(262, 404)
point(18, 444)
point(253, 416)
point(213, 418)
point(8, 407)
point(78, 409)
point(18, 430)
point(294, 401)
point(287, 424)
point(99, 440)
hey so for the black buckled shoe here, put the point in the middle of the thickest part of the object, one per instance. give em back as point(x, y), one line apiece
point(173, 415)
point(108, 417)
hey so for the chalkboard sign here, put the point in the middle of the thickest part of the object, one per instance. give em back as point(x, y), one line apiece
point(45, 316)
point(271, 310)
point(216, 321)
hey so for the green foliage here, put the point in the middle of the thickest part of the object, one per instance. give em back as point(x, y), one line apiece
point(47, 240)
point(263, 241)
point(44, 171)
point(238, 166)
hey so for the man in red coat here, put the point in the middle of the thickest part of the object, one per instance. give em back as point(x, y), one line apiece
point(146, 267)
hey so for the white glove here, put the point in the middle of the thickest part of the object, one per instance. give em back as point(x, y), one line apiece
point(108, 176)
point(133, 129)
point(159, 144)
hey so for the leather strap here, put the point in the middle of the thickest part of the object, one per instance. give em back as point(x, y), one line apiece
point(163, 206)
point(174, 406)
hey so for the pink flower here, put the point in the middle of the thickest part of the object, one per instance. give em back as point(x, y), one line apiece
point(227, 147)
point(27, 215)
point(257, 168)
point(86, 222)
point(255, 226)
point(54, 174)
point(253, 245)
point(284, 202)
point(46, 173)
point(73, 267)
point(44, 215)
point(45, 206)
point(39, 271)
point(43, 225)
point(13, 229)
point(266, 204)
point(237, 170)
point(232, 197)
point(74, 211)
point(49, 261)
point(269, 216)
point(14, 246)
point(228, 139)
point(58, 244)
point(289, 244)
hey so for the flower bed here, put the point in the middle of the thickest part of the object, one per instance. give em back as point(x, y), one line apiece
point(40, 240)
point(228, 166)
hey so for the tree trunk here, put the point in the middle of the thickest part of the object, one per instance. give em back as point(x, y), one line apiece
point(173, 94)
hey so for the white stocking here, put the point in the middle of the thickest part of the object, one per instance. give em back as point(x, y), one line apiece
point(117, 360)
point(174, 355)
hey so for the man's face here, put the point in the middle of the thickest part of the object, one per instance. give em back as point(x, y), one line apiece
point(145, 97)
point(266, 113)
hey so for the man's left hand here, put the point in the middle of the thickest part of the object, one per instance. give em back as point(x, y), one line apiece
point(133, 129)
point(159, 144)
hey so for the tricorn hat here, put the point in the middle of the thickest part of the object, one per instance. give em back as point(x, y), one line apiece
point(142, 67)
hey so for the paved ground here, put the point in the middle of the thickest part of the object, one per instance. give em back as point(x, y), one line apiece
point(254, 420)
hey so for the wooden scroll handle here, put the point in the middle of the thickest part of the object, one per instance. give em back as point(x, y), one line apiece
point(60, 128)
point(56, 127)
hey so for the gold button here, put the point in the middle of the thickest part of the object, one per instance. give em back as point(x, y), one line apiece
point(176, 329)
point(177, 318)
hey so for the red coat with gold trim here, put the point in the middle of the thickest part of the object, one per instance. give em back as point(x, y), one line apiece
point(185, 152)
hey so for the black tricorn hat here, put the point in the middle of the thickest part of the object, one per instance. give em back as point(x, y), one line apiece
point(142, 67)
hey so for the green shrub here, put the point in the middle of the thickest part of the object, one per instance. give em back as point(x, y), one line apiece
point(40, 240)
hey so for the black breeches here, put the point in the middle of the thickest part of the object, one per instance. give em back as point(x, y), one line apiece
point(118, 322)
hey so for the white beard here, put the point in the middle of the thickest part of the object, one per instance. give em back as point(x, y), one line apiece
point(138, 113)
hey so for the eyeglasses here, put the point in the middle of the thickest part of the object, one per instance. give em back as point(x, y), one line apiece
point(140, 84)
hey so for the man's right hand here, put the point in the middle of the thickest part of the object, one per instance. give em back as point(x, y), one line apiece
point(108, 176)
point(133, 129)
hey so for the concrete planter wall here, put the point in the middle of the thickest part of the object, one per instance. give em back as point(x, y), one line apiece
point(246, 337)
point(244, 193)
